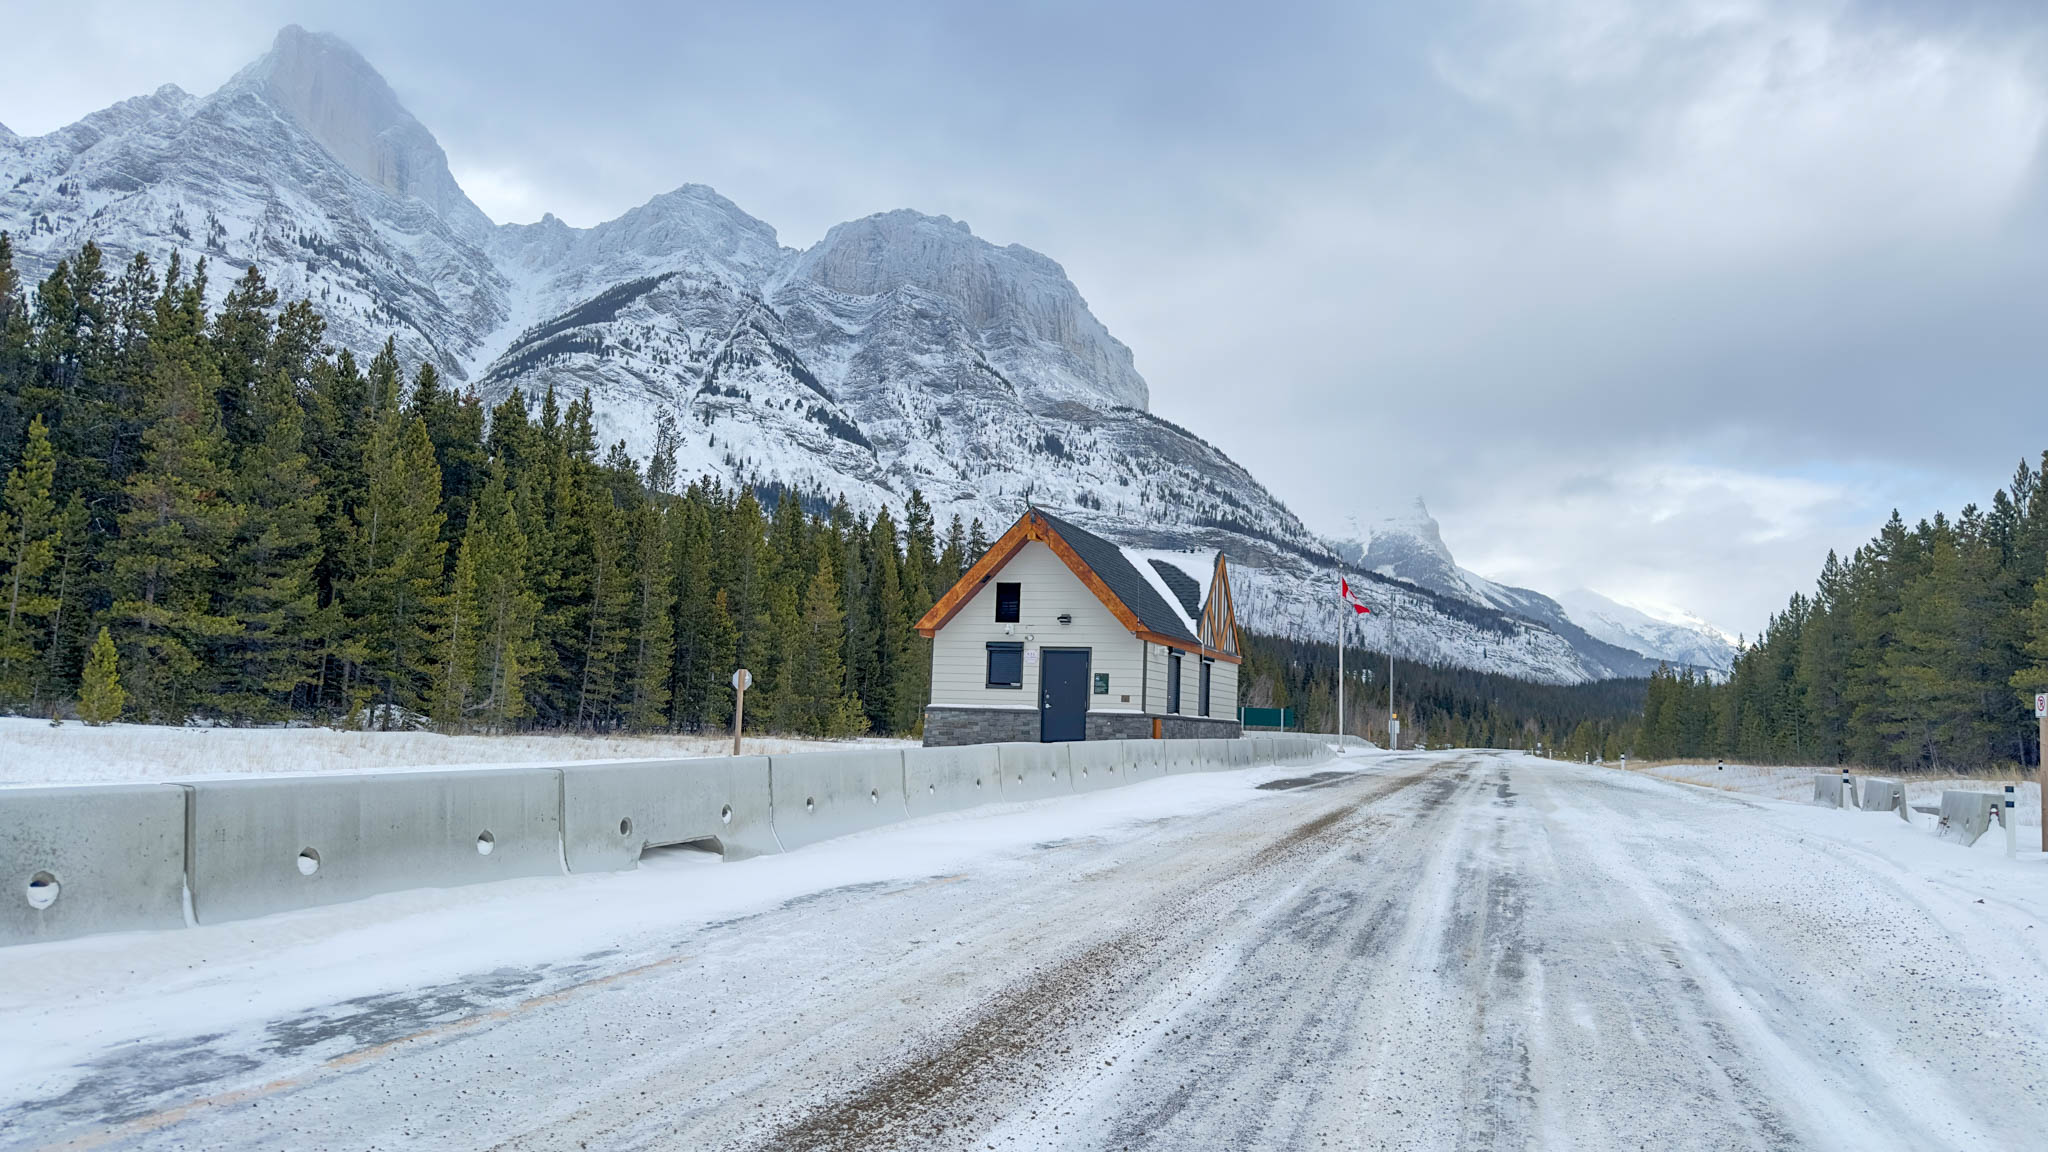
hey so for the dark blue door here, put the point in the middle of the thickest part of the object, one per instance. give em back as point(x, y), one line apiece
point(1063, 694)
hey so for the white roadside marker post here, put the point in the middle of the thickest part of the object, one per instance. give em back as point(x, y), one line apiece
point(1848, 791)
point(2041, 761)
point(2010, 817)
point(741, 680)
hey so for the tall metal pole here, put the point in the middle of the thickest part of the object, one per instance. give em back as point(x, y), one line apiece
point(1390, 688)
point(2041, 774)
point(1340, 676)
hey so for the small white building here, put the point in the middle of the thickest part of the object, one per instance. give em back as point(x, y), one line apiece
point(1057, 634)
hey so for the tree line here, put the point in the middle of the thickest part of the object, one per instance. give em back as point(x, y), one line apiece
point(1439, 705)
point(1921, 652)
point(210, 514)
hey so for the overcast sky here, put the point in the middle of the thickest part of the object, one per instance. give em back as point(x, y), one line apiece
point(1661, 298)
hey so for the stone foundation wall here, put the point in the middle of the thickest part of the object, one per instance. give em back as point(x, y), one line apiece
point(946, 727)
point(949, 726)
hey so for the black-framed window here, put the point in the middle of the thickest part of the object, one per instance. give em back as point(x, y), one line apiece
point(1206, 665)
point(1005, 665)
point(1172, 682)
point(1009, 603)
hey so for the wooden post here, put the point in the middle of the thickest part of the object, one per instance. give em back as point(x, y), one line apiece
point(740, 680)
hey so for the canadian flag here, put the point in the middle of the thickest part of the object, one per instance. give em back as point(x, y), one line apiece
point(1350, 597)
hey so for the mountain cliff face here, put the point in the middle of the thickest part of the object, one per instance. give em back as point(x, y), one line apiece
point(901, 351)
point(1611, 639)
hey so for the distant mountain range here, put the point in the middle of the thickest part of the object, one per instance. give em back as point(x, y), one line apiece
point(901, 351)
point(1409, 546)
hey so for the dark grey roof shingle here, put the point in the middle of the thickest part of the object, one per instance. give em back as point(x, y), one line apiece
point(1125, 582)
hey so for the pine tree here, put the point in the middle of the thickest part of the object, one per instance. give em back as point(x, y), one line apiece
point(487, 631)
point(100, 696)
point(977, 542)
point(395, 590)
point(653, 622)
point(607, 578)
point(29, 534)
point(177, 523)
point(811, 697)
point(272, 589)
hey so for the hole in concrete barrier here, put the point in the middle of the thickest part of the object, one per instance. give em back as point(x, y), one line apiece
point(874, 797)
point(810, 805)
point(42, 890)
point(486, 842)
point(1020, 777)
point(309, 862)
point(934, 788)
point(725, 814)
point(687, 854)
point(625, 825)
point(977, 781)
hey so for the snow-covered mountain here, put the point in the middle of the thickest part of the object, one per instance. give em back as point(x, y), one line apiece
point(901, 351)
point(1686, 640)
point(1611, 638)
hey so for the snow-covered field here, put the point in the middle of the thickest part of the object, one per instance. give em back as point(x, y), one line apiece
point(1416, 951)
point(1796, 784)
point(33, 752)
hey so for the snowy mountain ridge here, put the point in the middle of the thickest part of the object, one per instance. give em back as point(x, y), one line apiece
point(901, 351)
point(1409, 546)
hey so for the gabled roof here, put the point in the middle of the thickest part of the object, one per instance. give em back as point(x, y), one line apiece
point(1143, 600)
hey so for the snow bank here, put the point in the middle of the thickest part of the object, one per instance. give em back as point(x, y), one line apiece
point(1796, 784)
point(33, 752)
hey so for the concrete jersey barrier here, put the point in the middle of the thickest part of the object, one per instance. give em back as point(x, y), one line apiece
point(1827, 790)
point(108, 858)
point(613, 812)
point(1145, 759)
point(820, 795)
point(1965, 816)
point(1034, 771)
point(1098, 764)
point(92, 858)
point(274, 844)
point(948, 779)
point(1880, 795)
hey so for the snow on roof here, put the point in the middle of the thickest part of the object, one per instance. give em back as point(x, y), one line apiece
point(1198, 566)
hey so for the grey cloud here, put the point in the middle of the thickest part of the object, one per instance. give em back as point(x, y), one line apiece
point(1523, 257)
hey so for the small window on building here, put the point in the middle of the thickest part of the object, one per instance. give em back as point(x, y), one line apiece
point(1206, 665)
point(1172, 682)
point(1009, 598)
point(1006, 665)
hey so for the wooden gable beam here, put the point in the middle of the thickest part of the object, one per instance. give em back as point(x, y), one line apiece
point(1031, 526)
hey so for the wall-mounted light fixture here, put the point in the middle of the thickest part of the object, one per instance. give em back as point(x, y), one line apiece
point(1066, 617)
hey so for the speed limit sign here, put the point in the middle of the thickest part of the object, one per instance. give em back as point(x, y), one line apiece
point(2040, 704)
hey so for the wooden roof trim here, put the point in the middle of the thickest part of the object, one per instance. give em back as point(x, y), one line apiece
point(1226, 609)
point(1180, 645)
point(1030, 527)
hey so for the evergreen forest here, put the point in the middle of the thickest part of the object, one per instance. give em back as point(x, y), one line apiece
point(1921, 652)
point(210, 516)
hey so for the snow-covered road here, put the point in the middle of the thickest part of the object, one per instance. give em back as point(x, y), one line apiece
point(1452, 950)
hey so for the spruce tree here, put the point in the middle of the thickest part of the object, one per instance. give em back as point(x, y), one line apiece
point(175, 528)
point(100, 696)
point(272, 592)
point(29, 534)
point(653, 621)
point(501, 608)
point(394, 592)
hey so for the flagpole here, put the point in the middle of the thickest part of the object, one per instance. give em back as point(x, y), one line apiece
point(1340, 677)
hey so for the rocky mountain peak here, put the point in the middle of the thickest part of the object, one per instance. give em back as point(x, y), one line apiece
point(1018, 302)
point(1410, 528)
point(331, 92)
